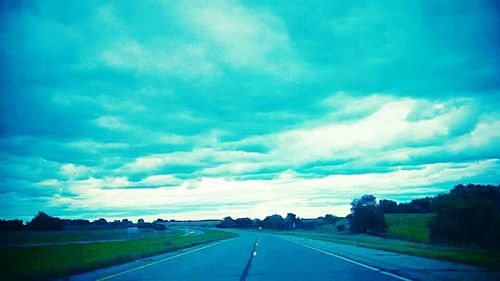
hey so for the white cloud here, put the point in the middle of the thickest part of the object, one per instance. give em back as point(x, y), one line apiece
point(200, 156)
point(244, 38)
point(73, 171)
point(179, 59)
point(257, 198)
point(113, 123)
point(385, 133)
point(159, 180)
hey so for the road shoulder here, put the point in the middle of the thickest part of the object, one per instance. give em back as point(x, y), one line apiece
point(105, 273)
point(416, 268)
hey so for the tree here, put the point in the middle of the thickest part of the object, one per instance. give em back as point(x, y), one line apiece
point(416, 206)
point(289, 221)
point(422, 205)
point(101, 221)
point(367, 216)
point(330, 219)
point(468, 215)
point(273, 222)
point(11, 225)
point(243, 222)
point(306, 223)
point(388, 206)
point(126, 222)
point(44, 222)
point(257, 222)
point(227, 222)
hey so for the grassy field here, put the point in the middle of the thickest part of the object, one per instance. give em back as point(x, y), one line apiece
point(42, 262)
point(35, 237)
point(411, 227)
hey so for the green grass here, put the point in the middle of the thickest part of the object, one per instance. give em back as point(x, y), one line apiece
point(43, 262)
point(411, 227)
point(455, 254)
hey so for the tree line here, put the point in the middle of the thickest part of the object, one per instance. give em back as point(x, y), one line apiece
point(277, 222)
point(44, 222)
point(467, 215)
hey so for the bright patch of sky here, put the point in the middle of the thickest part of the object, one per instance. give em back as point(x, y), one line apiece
point(196, 109)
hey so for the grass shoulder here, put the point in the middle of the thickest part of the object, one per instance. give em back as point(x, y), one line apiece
point(52, 261)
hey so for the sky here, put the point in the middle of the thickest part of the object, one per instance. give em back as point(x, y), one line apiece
point(203, 109)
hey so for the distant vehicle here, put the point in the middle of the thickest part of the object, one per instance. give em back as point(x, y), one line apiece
point(192, 232)
point(260, 227)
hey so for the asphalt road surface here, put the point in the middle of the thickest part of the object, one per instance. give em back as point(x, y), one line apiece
point(254, 256)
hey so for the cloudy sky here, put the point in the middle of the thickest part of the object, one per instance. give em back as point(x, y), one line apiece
point(189, 109)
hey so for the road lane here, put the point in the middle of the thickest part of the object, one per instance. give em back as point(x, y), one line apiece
point(275, 258)
point(280, 259)
point(224, 261)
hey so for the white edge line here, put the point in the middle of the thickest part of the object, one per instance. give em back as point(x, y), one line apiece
point(156, 262)
point(354, 262)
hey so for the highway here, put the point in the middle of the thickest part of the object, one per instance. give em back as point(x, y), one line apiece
point(258, 256)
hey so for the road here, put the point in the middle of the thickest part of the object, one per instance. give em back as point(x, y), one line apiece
point(257, 256)
point(188, 231)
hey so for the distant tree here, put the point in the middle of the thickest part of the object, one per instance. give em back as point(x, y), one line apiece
point(306, 223)
point(422, 205)
point(140, 221)
point(44, 222)
point(227, 222)
point(319, 221)
point(257, 222)
point(149, 225)
point(367, 216)
point(468, 215)
point(100, 221)
point(11, 225)
point(388, 206)
point(330, 219)
point(243, 222)
point(289, 222)
point(273, 222)
point(416, 206)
